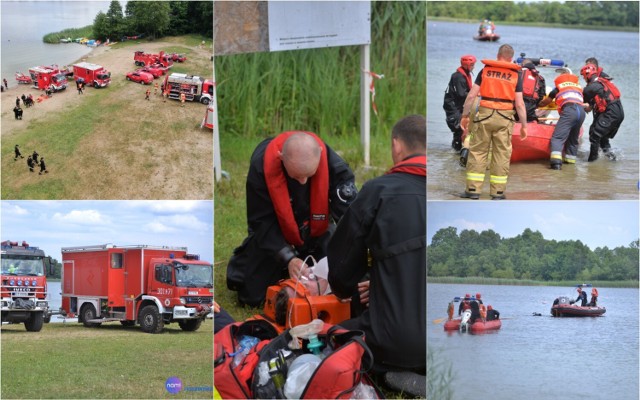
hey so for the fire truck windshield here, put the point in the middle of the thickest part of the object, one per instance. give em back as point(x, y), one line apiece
point(22, 265)
point(59, 78)
point(194, 275)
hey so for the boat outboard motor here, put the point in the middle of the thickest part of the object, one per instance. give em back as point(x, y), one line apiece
point(464, 323)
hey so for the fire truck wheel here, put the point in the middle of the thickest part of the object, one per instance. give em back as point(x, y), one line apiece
point(87, 313)
point(150, 320)
point(190, 325)
point(34, 323)
point(205, 101)
point(95, 85)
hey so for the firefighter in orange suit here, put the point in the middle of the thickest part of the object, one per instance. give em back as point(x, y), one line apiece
point(568, 95)
point(500, 86)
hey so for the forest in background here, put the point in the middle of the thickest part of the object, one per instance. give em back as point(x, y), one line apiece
point(577, 13)
point(527, 256)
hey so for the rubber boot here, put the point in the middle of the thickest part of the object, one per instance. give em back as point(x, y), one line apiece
point(593, 153)
point(456, 143)
point(556, 165)
point(609, 154)
point(464, 155)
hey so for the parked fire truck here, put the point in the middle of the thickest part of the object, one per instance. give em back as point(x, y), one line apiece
point(92, 74)
point(48, 78)
point(24, 285)
point(195, 88)
point(143, 59)
point(151, 286)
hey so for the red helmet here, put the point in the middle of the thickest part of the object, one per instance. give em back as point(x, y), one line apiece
point(588, 71)
point(467, 296)
point(478, 296)
point(467, 62)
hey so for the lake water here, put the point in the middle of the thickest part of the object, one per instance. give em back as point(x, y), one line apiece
point(24, 23)
point(617, 53)
point(539, 357)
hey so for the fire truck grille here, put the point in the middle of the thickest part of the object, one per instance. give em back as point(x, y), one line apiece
point(198, 299)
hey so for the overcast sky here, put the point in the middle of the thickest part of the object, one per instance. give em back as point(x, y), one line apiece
point(52, 225)
point(594, 223)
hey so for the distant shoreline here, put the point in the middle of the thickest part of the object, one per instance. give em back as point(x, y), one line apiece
point(537, 24)
point(477, 280)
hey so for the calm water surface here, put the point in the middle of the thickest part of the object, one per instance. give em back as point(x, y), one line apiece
point(617, 52)
point(24, 23)
point(540, 357)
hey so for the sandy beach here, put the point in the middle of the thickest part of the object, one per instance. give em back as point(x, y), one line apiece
point(145, 149)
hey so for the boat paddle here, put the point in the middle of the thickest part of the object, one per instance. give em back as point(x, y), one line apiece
point(439, 320)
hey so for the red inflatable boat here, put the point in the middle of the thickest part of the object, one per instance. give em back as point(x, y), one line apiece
point(563, 307)
point(476, 327)
point(537, 145)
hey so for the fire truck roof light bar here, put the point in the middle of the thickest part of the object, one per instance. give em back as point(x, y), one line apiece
point(112, 246)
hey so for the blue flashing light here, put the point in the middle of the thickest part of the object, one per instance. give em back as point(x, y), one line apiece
point(172, 256)
point(33, 283)
point(12, 282)
point(19, 283)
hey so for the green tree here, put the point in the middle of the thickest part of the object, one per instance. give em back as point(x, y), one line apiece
point(149, 17)
point(115, 21)
point(100, 26)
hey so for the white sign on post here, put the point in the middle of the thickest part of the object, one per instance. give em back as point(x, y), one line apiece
point(314, 24)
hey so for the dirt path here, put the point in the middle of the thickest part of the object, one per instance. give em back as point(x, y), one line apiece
point(144, 149)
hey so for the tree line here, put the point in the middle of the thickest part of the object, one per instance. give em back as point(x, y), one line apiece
point(586, 13)
point(154, 19)
point(527, 256)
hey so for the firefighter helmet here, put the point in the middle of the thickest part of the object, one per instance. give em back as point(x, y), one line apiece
point(588, 71)
point(467, 62)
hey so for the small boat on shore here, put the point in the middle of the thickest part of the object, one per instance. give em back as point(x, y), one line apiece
point(22, 78)
point(563, 306)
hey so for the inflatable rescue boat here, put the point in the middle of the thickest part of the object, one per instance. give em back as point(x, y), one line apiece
point(564, 307)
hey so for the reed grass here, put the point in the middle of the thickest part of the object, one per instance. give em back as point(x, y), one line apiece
point(440, 376)
point(73, 33)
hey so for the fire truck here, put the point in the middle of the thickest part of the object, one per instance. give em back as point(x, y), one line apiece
point(143, 59)
point(195, 88)
point(24, 285)
point(150, 286)
point(92, 74)
point(48, 78)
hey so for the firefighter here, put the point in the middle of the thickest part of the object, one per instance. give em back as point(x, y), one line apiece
point(35, 156)
point(533, 89)
point(499, 84)
point(568, 95)
point(43, 167)
point(16, 150)
point(165, 94)
point(147, 94)
point(30, 163)
point(457, 90)
point(603, 97)
point(183, 98)
point(594, 297)
point(155, 89)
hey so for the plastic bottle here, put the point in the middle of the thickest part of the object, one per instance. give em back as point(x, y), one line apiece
point(245, 345)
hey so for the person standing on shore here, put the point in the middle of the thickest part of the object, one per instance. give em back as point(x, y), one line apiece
point(35, 156)
point(17, 151)
point(30, 163)
point(5, 83)
point(43, 167)
point(155, 89)
point(183, 97)
point(147, 94)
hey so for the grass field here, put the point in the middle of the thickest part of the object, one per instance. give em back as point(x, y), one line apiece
point(69, 361)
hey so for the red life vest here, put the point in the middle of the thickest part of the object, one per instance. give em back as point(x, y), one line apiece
point(415, 165)
point(611, 94)
point(498, 87)
point(530, 84)
point(276, 180)
point(569, 90)
point(466, 75)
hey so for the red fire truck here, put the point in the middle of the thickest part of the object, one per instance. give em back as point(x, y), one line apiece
point(48, 78)
point(143, 59)
point(151, 286)
point(195, 88)
point(24, 285)
point(92, 74)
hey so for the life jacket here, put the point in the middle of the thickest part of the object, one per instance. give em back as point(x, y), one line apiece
point(414, 165)
point(569, 90)
point(611, 94)
point(466, 305)
point(450, 311)
point(498, 87)
point(594, 292)
point(530, 84)
point(483, 311)
point(466, 75)
point(276, 180)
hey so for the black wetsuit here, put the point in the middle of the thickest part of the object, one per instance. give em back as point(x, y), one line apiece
point(454, 98)
point(605, 124)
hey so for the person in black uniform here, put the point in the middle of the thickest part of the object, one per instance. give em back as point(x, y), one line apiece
point(492, 314)
point(455, 95)
point(16, 150)
point(30, 163)
point(582, 297)
point(603, 98)
point(297, 187)
point(533, 89)
point(35, 157)
point(43, 167)
point(383, 233)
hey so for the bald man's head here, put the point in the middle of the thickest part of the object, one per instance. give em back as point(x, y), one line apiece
point(301, 156)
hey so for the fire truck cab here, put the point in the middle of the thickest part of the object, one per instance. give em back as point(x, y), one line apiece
point(24, 285)
point(48, 78)
point(150, 286)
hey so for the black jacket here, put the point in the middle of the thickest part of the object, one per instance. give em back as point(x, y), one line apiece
point(261, 260)
point(387, 221)
point(456, 94)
